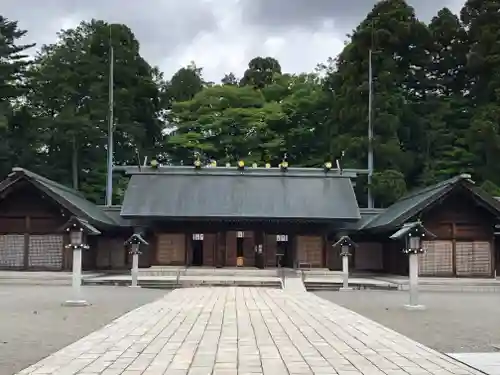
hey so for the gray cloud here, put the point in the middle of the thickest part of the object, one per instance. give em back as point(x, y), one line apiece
point(160, 26)
point(220, 35)
point(345, 14)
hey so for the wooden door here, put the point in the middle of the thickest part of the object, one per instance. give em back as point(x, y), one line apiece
point(309, 250)
point(171, 249)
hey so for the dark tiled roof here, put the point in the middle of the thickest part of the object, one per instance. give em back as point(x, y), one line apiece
point(416, 201)
point(81, 223)
point(72, 200)
point(114, 213)
point(229, 193)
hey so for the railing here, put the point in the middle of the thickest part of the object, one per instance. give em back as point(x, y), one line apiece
point(302, 266)
point(280, 272)
point(177, 280)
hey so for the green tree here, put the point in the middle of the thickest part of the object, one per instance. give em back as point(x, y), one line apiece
point(225, 123)
point(13, 66)
point(184, 84)
point(388, 186)
point(447, 111)
point(261, 71)
point(481, 18)
point(400, 45)
point(229, 79)
point(70, 96)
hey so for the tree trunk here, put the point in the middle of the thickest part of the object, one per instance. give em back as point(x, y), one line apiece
point(74, 164)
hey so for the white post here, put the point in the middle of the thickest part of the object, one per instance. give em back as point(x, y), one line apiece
point(135, 266)
point(414, 305)
point(345, 268)
point(77, 280)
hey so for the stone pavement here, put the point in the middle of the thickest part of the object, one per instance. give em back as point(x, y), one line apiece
point(489, 363)
point(245, 331)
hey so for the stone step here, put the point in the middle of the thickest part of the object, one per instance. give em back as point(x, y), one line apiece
point(311, 286)
point(173, 284)
point(158, 271)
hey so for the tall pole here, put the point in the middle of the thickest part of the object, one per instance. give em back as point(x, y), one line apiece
point(370, 129)
point(109, 181)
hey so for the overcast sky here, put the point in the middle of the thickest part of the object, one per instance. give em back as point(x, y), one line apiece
point(219, 35)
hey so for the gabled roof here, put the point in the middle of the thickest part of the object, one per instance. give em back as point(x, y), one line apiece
point(228, 193)
point(72, 200)
point(415, 228)
point(415, 202)
point(76, 221)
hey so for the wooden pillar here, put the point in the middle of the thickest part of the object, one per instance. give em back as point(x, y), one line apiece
point(27, 231)
point(454, 248)
point(220, 256)
point(324, 258)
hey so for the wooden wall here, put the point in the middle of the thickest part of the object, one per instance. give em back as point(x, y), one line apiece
point(220, 243)
point(26, 213)
point(457, 218)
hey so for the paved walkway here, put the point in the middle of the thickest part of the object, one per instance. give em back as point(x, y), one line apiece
point(244, 331)
point(487, 362)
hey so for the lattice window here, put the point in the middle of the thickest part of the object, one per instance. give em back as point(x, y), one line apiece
point(482, 258)
point(12, 251)
point(437, 259)
point(473, 258)
point(46, 251)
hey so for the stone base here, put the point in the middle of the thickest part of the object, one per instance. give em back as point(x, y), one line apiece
point(76, 303)
point(348, 289)
point(414, 307)
point(134, 286)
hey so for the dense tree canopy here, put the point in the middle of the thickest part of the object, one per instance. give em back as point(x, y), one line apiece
point(436, 104)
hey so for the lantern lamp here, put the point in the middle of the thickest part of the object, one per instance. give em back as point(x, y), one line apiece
point(135, 241)
point(197, 164)
point(411, 234)
point(228, 165)
point(241, 164)
point(154, 164)
point(254, 165)
point(76, 236)
point(284, 165)
point(213, 163)
point(77, 227)
point(328, 166)
point(346, 245)
point(268, 165)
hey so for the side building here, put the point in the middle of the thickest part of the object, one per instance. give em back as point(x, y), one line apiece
point(33, 209)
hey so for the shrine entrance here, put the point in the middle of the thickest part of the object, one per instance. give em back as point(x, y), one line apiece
point(284, 251)
point(197, 250)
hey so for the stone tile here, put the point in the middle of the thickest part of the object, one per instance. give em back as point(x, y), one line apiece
point(222, 331)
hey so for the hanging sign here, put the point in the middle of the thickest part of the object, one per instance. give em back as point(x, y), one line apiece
point(240, 234)
point(198, 236)
point(282, 238)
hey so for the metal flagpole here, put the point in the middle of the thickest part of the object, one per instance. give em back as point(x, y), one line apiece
point(370, 124)
point(370, 131)
point(109, 181)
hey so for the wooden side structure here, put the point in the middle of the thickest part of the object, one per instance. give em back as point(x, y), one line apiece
point(33, 211)
point(462, 217)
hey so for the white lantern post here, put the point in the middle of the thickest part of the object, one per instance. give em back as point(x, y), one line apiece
point(346, 245)
point(77, 228)
point(134, 242)
point(412, 234)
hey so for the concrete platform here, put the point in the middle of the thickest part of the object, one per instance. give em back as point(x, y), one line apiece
point(227, 331)
point(445, 284)
point(487, 362)
point(171, 282)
